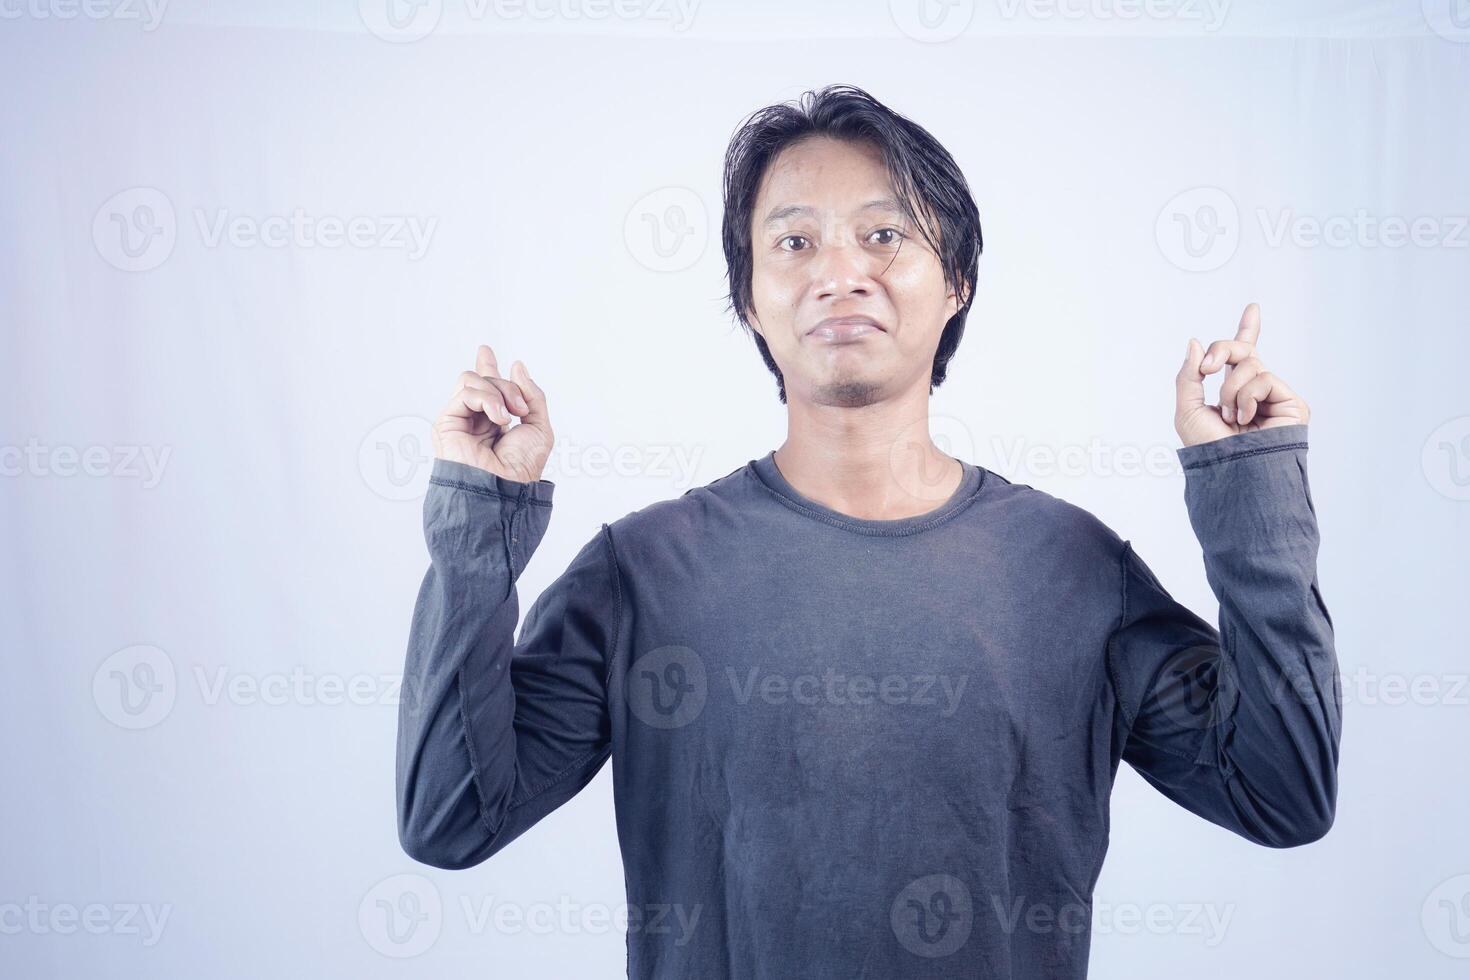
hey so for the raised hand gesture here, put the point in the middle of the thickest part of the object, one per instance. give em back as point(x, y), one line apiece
point(475, 427)
point(1250, 396)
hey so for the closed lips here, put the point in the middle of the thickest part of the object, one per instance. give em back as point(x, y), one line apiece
point(845, 324)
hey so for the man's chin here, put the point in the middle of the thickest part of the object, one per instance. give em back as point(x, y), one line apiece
point(846, 392)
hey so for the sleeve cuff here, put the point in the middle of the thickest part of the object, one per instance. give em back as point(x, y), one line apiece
point(1249, 492)
point(1282, 437)
point(465, 477)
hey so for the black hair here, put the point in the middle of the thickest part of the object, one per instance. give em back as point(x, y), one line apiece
point(923, 174)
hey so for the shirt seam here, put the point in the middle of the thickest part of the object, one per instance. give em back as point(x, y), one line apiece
point(1119, 687)
point(555, 780)
point(1122, 618)
point(471, 488)
point(469, 745)
point(602, 750)
point(611, 553)
point(508, 536)
point(1226, 676)
point(1259, 450)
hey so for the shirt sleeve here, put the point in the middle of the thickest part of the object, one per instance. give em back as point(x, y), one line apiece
point(1240, 726)
point(495, 733)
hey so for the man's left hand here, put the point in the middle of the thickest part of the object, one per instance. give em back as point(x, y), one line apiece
point(1250, 396)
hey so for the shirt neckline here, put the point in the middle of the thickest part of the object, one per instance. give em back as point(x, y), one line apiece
point(769, 475)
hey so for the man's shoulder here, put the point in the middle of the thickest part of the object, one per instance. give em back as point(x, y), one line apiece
point(688, 512)
point(1039, 517)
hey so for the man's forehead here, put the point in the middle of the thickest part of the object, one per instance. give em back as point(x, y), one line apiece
point(790, 211)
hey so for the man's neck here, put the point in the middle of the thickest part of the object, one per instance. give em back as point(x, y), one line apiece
point(875, 462)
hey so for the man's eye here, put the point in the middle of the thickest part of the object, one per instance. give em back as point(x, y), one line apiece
point(895, 238)
point(792, 238)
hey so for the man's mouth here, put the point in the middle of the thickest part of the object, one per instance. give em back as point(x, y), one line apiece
point(841, 329)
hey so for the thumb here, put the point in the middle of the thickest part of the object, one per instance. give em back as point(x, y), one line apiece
point(1189, 383)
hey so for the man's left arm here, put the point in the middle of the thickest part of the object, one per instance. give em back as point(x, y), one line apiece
point(1241, 726)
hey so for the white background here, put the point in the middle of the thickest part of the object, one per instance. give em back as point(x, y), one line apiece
point(265, 567)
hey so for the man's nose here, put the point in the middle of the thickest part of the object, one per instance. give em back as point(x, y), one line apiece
point(845, 269)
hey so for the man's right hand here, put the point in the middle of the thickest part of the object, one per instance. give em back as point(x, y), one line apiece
point(475, 427)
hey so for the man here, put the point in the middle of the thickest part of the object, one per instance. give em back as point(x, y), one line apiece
point(865, 701)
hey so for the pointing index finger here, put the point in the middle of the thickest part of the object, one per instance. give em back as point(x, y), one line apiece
point(485, 362)
point(1250, 324)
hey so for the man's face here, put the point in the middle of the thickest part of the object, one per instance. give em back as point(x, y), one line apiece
point(829, 240)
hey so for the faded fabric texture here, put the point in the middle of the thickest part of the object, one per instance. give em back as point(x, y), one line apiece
point(851, 748)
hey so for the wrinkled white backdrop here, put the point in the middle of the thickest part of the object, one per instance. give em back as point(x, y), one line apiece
point(247, 248)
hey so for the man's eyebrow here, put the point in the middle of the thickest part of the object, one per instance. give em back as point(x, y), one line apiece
point(779, 214)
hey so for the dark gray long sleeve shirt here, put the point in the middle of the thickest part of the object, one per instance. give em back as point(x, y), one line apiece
point(851, 748)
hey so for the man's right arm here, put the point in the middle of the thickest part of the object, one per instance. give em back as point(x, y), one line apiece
point(493, 734)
